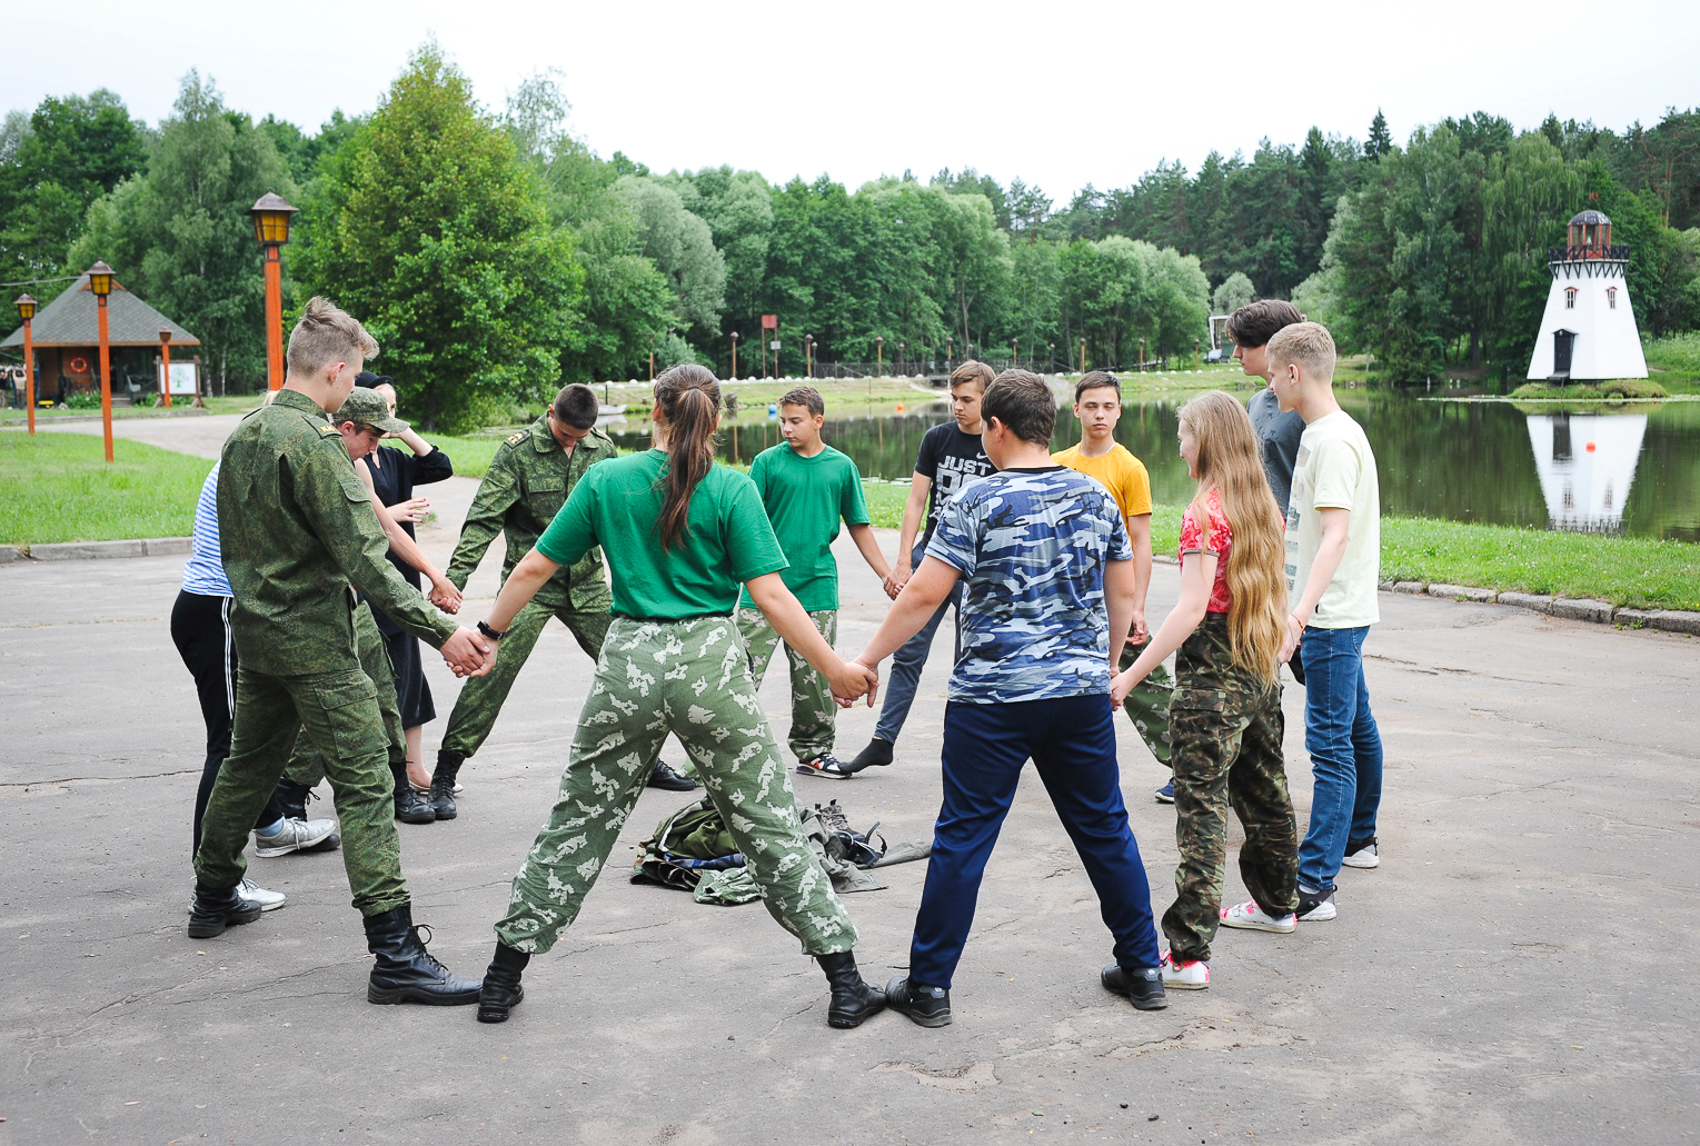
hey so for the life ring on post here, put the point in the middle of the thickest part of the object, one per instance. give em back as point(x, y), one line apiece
point(79, 365)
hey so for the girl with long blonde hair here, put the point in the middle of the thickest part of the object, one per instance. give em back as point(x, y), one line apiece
point(1225, 716)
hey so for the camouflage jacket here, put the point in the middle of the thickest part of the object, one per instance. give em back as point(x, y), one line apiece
point(527, 483)
point(296, 526)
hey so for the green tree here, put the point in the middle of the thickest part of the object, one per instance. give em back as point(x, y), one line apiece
point(431, 229)
point(628, 303)
point(180, 234)
point(1380, 140)
point(1234, 292)
point(69, 153)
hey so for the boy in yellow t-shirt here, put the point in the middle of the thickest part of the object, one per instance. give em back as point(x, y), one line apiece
point(1098, 407)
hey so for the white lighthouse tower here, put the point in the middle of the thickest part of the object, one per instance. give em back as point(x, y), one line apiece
point(1588, 330)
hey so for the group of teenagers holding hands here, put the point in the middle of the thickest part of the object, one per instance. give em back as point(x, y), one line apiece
point(1045, 558)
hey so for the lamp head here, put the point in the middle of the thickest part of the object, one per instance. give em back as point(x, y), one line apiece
point(26, 307)
point(100, 279)
point(271, 219)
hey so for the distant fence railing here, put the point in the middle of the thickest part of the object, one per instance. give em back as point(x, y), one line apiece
point(1617, 252)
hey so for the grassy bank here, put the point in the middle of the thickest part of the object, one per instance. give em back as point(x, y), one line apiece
point(1625, 571)
point(56, 487)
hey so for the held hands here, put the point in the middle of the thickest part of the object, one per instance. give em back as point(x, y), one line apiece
point(1120, 686)
point(890, 585)
point(444, 595)
point(899, 578)
point(414, 510)
point(852, 680)
point(1139, 635)
point(469, 654)
point(1289, 642)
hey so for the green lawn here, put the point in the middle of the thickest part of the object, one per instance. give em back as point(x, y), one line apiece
point(58, 487)
point(55, 487)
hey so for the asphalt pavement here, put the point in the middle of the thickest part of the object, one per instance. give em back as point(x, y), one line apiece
point(1519, 968)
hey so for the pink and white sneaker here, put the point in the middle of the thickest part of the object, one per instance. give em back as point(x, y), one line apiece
point(1188, 975)
point(1253, 918)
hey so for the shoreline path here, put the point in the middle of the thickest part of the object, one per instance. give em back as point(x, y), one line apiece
point(1519, 969)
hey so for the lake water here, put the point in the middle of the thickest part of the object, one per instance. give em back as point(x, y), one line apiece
point(1635, 472)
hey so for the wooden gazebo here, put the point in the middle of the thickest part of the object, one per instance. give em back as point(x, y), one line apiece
point(66, 338)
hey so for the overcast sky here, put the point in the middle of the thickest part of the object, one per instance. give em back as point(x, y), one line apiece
point(1060, 94)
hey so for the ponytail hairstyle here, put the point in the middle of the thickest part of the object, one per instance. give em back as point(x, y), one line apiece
point(687, 400)
point(1228, 462)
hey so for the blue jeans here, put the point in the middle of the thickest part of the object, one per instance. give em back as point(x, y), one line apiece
point(907, 663)
point(1345, 752)
point(1072, 743)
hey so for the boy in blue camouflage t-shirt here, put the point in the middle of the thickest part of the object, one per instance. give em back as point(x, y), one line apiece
point(1048, 570)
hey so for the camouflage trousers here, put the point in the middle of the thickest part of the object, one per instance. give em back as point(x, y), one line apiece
point(481, 697)
point(814, 714)
point(691, 678)
point(1226, 727)
point(1148, 705)
point(306, 765)
point(338, 711)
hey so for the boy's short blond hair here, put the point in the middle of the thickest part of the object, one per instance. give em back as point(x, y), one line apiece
point(326, 334)
point(1306, 344)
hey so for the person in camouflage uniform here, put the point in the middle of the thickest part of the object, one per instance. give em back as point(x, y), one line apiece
point(297, 529)
point(528, 482)
point(361, 420)
point(682, 534)
point(1225, 720)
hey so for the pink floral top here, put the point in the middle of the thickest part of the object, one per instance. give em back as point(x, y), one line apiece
point(1221, 542)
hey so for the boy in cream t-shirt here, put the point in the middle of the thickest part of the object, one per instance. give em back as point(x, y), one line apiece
point(1333, 563)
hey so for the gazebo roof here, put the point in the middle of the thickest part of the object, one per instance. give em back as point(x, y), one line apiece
point(1589, 216)
point(71, 320)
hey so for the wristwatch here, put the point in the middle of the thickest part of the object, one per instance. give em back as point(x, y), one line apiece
point(493, 634)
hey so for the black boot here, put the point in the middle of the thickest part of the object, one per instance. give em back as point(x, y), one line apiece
point(852, 999)
point(443, 783)
point(410, 806)
point(407, 973)
point(214, 909)
point(292, 798)
point(502, 992)
point(668, 780)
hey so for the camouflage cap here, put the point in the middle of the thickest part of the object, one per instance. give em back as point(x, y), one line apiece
point(367, 408)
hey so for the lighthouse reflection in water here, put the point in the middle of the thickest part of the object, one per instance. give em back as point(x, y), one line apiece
point(1586, 463)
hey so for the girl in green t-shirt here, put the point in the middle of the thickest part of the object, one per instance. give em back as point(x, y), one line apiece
point(679, 534)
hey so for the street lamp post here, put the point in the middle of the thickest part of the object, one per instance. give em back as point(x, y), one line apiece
point(26, 311)
point(1142, 356)
point(734, 354)
point(1083, 354)
point(1050, 356)
point(949, 352)
point(100, 282)
point(879, 354)
point(1015, 354)
point(902, 355)
point(165, 352)
point(808, 356)
point(271, 227)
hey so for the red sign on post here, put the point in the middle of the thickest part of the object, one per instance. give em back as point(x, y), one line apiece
point(770, 322)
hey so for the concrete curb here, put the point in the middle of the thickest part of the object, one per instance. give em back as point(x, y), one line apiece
point(94, 550)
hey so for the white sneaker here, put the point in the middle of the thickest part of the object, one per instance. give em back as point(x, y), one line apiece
point(267, 899)
point(293, 836)
point(1365, 856)
point(1253, 918)
point(1191, 976)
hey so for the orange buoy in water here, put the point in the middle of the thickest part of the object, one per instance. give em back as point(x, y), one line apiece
point(900, 407)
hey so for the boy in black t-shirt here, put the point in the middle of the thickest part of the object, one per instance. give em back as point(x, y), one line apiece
point(950, 459)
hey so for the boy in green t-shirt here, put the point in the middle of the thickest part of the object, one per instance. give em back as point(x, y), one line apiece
point(807, 487)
